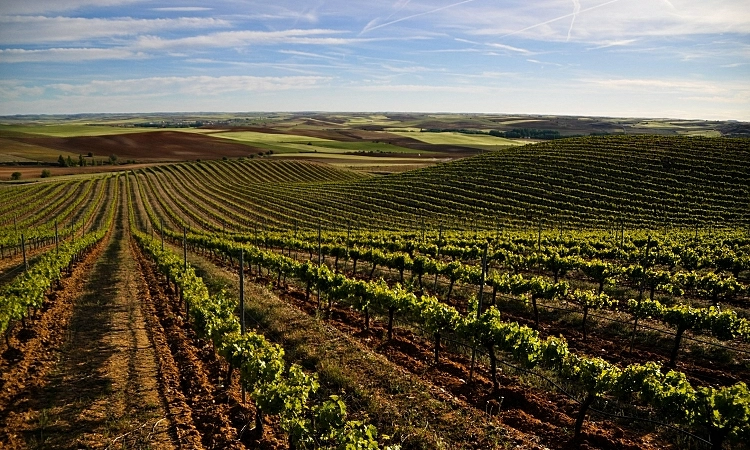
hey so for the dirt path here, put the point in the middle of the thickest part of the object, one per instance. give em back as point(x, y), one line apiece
point(103, 390)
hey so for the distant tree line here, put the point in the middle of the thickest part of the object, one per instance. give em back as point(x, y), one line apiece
point(516, 133)
point(527, 133)
point(82, 162)
point(195, 124)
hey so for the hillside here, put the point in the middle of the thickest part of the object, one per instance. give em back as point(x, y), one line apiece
point(645, 181)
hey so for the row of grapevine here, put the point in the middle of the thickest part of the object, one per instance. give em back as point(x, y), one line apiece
point(512, 188)
point(27, 291)
point(72, 208)
point(723, 324)
point(529, 251)
point(275, 389)
point(722, 412)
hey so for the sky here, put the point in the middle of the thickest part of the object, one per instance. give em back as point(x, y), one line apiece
point(685, 59)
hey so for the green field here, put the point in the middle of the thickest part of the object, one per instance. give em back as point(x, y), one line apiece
point(68, 130)
point(291, 143)
point(480, 141)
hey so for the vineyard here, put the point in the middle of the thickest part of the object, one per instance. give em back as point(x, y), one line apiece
point(590, 292)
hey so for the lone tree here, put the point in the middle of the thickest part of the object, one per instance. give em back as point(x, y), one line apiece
point(46, 173)
point(15, 176)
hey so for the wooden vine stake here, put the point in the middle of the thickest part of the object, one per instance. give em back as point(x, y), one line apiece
point(437, 256)
point(480, 305)
point(162, 234)
point(184, 256)
point(23, 250)
point(242, 306)
point(320, 261)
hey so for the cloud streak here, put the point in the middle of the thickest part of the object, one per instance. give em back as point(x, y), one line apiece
point(194, 85)
point(230, 39)
point(15, 30)
point(547, 22)
point(371, 26)
point(576, 10)
point(69, 55)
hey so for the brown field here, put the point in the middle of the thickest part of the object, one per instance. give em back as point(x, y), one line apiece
point(149, 146)
point(35, 171)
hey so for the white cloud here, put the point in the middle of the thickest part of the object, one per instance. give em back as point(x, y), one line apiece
point(73, 55)
point(40, 29)
point(466, 89)
point(15, 89)
point(510, 48)
point(544, 63)
point(613, 20)
point(614, 43)
point(47, 6)
point(659, 85)
point(374, 25)
point(310, 55)
point(195, 85)
point(408, 69)
point(228, 39)
point(495, 45)
point(675, 90)
point(182, 9)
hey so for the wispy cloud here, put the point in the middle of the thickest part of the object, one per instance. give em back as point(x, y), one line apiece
point(661, 85)
point(615, 43)
point(547, 22)
point(46, 6)
point(195, 85)
point(182, 9)
point(15, 30)
point(576, 10)
point(468, 89)
point(372, 24)
point(496, 45)
point(543, 63)
point(230, 39)
point(311, 55)
point(15, 89)
point(70, 55)
point(408, 69)
point(610, 20)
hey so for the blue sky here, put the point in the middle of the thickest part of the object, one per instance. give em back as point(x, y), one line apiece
point(634, 58)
